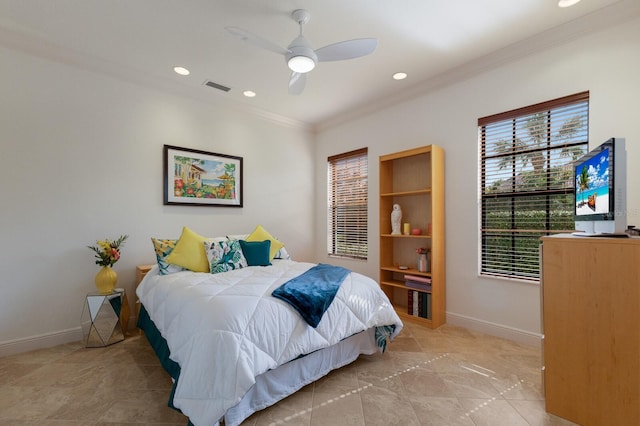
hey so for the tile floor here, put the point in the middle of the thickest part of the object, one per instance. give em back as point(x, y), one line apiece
point(449, 376)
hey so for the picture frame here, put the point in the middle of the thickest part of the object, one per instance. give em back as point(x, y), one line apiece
point(199, 178)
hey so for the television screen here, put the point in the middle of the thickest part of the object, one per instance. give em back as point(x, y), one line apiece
point(594, 184)
point(600, 191)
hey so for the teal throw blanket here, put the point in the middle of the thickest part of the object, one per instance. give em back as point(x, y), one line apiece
point(312, 292)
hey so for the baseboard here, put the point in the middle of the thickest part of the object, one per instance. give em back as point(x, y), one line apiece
point(47, 340)
point(499, 330)
point(40, 341)
point(75, 334)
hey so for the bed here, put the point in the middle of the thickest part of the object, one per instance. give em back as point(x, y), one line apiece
point(233, 348)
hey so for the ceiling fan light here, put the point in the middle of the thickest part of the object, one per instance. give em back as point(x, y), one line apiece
point(301, 64)
point(567, 3)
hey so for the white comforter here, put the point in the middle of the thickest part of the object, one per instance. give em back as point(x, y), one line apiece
point(225, 329)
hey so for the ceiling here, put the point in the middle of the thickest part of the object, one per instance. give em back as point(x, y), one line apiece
point(433, 41)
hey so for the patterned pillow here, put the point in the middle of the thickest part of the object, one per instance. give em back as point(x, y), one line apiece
point(163, 248)
point(237, 236)
point(282, 254)
point(224, 256)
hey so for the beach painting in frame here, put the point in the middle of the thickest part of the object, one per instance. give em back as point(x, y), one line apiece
point(200, 178)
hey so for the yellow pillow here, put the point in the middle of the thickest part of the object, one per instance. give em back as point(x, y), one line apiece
point(261, 234)
point(189, 252)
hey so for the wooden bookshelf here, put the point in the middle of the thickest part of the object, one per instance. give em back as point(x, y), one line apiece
point(414, 179)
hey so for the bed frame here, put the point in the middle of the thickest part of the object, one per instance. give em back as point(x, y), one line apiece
point(273, 385)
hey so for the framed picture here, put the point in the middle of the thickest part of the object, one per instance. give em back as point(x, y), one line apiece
point(200, 178)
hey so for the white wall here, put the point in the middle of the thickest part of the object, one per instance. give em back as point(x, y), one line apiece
point(606, 63)
point(81, 160)
point(81, 157)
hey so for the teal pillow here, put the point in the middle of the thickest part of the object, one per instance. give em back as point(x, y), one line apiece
point(256, 252)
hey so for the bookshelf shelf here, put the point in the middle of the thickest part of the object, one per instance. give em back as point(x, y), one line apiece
point(405, 271)
point(416, 237)
point(407, 193)
point(401, 284)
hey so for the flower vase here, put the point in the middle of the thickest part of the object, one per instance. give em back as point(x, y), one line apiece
point(106, 280)
point(422, 262)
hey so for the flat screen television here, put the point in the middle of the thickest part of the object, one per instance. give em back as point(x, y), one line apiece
point(600, 179)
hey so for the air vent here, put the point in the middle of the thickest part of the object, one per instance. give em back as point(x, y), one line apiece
point(217, 86)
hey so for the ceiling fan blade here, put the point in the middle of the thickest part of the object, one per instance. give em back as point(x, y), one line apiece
point(347, 49)
point(256, 40)
point(297, 83)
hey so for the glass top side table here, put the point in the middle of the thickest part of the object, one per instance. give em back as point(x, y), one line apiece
point(100, 321)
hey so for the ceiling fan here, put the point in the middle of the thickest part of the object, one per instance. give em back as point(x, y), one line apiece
point(301, 57)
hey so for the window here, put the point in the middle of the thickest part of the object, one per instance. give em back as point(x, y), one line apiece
point(526, 181)
point(347, 200)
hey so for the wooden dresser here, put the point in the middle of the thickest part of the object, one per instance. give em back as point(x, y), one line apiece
point(591, 329)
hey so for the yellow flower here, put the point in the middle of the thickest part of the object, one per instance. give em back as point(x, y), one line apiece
point(107, 251)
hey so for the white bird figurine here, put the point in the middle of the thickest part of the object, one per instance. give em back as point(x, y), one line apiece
point(396, 218)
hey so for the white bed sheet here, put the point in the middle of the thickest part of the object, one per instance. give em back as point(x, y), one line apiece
point(226, 329)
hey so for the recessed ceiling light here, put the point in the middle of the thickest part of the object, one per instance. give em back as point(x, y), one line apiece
point(567, 3)
point(400, 76)
point(181, 70)
point(249, 93)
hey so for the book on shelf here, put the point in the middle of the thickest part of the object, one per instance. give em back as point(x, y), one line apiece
point(418, 286)
point(423, 283)
point(417, 278)
point(419, 304)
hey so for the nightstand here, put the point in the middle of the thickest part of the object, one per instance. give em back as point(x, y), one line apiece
point(105, 318)
point(141, 271)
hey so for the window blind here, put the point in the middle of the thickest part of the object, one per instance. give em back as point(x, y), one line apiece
point(347, 202)
point(526, 182)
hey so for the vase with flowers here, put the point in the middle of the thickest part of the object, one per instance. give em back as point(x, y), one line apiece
point(107, 253)
point(423, 259)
